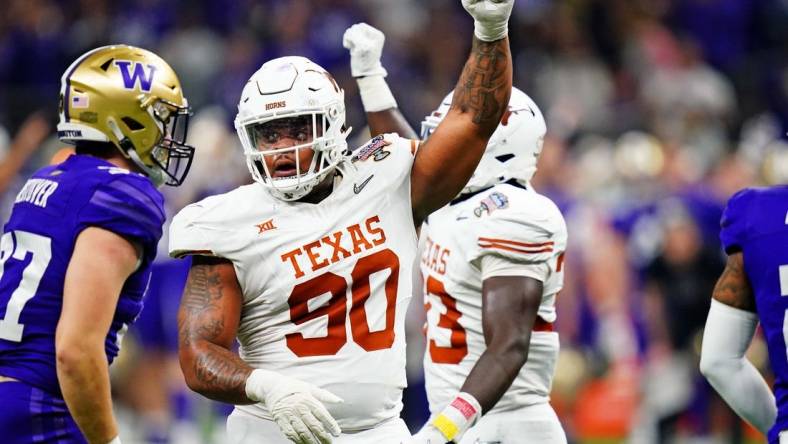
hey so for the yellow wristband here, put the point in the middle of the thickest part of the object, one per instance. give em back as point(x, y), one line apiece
point(446, 426)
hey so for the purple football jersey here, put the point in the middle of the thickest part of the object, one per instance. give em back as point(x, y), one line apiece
point(54, 206)
point(755, 222)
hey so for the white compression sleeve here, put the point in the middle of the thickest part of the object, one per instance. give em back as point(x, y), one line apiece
point(726, 338)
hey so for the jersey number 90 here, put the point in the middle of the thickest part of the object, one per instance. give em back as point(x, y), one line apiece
point(336, 308)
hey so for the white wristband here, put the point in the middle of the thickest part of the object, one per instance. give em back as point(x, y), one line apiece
point(115, 440)
point(375, 94)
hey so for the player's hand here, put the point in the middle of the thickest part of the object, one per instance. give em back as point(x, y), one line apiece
point(366, 46)
point(427, 435)
point(490, 18)
point(296, 406)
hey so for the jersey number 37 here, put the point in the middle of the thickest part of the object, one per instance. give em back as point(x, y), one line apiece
point(17, 244)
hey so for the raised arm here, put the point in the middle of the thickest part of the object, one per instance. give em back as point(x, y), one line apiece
point(729, 329)
point(365, 44)
point(445, 162)
point(208, 321)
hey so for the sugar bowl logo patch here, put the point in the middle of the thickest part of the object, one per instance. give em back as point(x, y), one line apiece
point(494, 201)
point(373, 149)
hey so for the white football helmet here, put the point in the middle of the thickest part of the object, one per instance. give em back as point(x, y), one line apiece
point(513, 149)
point(285, 88)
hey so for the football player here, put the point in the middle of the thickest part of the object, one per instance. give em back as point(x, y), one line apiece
point(491, 262)
point(310, 267)
point(75, 256)
point(752, 288)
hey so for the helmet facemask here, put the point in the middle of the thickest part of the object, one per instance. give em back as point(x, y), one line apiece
point(171, 154)
point(170, 157)
point(273, 148)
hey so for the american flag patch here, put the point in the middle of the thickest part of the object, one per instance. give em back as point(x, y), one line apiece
point(80, 101)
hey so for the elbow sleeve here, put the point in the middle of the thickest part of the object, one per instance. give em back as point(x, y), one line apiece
point(727, 336)
point(725, 341)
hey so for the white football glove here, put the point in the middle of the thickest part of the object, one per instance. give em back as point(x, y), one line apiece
point(115, 440)
point(297, 406)
point(366, 46)
point(427, 435)
point(490, 18)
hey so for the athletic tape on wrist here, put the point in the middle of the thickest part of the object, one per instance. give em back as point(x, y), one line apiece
point(375, 94)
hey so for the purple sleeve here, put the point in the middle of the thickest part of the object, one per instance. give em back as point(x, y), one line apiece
point(128, 206)
point(733, 226)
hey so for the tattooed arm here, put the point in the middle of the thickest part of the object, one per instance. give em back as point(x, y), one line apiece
point(729, 330)
point(447, 159)
point(207, 325)
point(208, 321)
point(733, 287)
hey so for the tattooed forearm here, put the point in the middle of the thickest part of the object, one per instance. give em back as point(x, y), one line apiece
point(733, 287)
point(485, 83)
point(207, 324)
point(221, 375)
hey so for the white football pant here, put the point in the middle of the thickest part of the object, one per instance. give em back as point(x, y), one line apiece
point(533, 424)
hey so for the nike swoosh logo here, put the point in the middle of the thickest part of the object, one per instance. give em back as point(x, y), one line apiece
point(360, 186)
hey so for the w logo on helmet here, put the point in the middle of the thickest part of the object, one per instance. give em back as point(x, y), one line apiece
point(134, 71)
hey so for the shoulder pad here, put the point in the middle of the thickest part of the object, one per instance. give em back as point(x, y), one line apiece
point(518, 225)
point(733, 225)
point(129, 206)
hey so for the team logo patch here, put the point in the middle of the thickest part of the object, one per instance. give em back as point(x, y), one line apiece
point(135, 72)
point(494, 201)
point(265, 226)
point(373, 149)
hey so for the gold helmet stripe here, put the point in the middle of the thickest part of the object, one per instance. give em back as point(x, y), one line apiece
point(66, 80)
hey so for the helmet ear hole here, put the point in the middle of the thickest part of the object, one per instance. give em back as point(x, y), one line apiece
point(132, 124)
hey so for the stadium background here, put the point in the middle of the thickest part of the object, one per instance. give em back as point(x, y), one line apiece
point(657, 110)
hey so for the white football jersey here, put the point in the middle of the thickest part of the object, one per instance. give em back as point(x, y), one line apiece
point(325, 285)
point(505, 230)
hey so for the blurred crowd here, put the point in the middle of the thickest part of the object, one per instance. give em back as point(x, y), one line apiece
point(657, 111)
